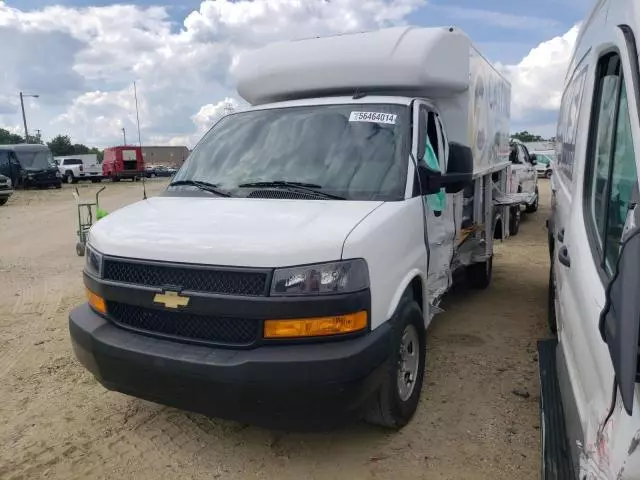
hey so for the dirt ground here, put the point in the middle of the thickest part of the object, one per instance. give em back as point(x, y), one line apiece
point(56, 421)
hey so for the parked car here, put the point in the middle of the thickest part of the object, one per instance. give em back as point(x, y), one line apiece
point(29, 165)
point(158, 171)
point(590, 373)
point(522, 179)
point(544, 163)
point(6, 189)
point(290, 279)
point(79, 167)
point(123, 162)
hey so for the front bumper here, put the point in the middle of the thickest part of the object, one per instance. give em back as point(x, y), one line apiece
point(6, 193)
point(310, 385)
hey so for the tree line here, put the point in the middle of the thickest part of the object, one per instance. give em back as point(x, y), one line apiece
point(59, 145)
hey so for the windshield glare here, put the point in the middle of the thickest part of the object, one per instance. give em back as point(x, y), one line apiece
point(356, 151)
point(36, 160)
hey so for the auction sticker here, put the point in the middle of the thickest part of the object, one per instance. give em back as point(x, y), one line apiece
point(373, 117)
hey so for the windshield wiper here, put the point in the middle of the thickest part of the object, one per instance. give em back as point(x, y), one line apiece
point(206, 186)
point(305, 187)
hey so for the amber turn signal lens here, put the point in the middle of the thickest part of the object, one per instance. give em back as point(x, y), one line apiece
point(96, 302)
point(315, 327)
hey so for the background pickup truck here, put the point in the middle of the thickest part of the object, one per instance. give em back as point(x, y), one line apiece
point(79, 167)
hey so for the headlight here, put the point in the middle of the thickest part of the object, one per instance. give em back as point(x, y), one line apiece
point(93, 262)
point(336, 277)
point(58, 174)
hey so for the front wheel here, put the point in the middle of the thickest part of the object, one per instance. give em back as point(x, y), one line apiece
point(397, 400)
point(534, 206)
point(3, 201)
point(548, 174)
point(80, 249)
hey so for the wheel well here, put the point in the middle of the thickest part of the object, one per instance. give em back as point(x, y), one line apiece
point(417, 291)
point(67, 172)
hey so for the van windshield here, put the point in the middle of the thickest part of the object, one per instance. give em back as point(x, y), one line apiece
point(355, 151)
point(36, 159)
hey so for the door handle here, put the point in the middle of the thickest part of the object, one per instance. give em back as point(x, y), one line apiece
point(563, 256)
point(561, 235)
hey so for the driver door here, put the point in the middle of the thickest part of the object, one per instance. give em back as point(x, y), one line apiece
point(439, 207)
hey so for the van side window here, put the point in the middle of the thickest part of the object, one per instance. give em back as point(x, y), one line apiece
point(611, 169)
point(568, 123)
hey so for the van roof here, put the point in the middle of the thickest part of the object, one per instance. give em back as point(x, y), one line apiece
point(396, 61)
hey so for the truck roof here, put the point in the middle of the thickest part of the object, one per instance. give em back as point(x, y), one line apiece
point(407, 61)
point(25, 147)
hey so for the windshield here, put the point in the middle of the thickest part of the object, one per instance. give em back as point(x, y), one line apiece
point(359, 152)
point(36, 160)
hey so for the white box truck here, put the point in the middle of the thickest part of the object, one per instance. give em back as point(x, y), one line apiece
point(289, 272)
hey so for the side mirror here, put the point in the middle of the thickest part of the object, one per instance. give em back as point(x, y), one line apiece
point(533, 158)
point(428, 180)
point(620, 317)
point(459, 168)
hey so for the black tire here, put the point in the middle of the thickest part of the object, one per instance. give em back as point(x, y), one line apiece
point(534, 206)
point(479, 274)
point(514, 221)
point(388, 409)
point(548, 173)
point(552, 321)
point(80, 249)
point(3, 201)
point(70, 178)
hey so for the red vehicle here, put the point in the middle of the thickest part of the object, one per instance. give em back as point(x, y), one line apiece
point(123, 162)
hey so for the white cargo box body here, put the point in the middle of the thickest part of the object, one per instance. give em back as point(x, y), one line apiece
point(439, 64)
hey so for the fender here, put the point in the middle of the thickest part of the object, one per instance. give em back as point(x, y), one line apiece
point(402, 287)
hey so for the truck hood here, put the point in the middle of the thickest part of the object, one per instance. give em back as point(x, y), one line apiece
point(230, 231)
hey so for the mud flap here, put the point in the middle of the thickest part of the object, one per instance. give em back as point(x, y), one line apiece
point(556, 455)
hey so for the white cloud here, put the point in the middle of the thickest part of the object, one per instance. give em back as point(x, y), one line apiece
point(538, 80)
point(498, 19)
point(82, 62)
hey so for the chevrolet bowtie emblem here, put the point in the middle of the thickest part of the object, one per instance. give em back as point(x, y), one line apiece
point(171, 299)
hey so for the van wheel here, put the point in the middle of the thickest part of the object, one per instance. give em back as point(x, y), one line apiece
point(534, 206)
point(479, 274)
point(552, 321)
point(397, 400)
point(514, 221)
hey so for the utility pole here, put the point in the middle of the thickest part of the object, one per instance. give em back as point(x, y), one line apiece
point(124, 136)
point(24, 117)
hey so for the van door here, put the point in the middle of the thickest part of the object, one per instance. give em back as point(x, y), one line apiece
point(587, 255)
point(439, 208)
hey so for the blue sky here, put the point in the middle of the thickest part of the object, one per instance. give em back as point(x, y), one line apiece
point(183, 68)
point(505, 29)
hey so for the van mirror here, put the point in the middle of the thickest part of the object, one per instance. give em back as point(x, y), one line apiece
point(533, 158)
point(620, 317)
point(428, 180)
point(459, 168)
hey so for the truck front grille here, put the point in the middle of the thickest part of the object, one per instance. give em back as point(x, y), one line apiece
point(186, 326)
point(226, 282)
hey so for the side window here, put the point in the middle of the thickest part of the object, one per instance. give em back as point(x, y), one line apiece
point(522, 156)
point(611, 169)
point(568, 123)
point(4, 159)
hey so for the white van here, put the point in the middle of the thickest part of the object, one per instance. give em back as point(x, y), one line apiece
point(589, 375)
point(291, 268)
